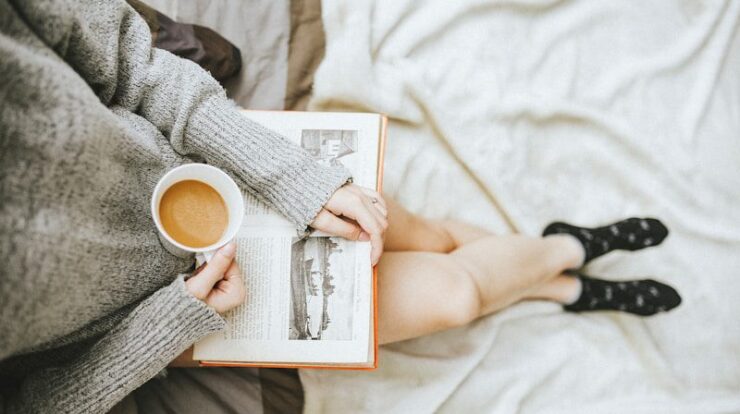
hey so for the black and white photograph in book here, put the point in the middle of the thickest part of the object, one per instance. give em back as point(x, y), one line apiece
point(328, 146)
point(322, 289)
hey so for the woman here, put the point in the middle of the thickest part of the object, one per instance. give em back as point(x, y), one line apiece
point(91, 305)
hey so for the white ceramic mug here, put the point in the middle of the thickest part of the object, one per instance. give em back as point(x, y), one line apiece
point(222, 183)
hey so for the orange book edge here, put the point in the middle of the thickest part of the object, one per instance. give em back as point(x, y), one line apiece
point(381, 160)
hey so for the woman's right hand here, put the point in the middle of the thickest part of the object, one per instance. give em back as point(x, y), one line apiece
point(219, 282)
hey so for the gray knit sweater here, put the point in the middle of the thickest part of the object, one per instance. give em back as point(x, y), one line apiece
point(91, 305)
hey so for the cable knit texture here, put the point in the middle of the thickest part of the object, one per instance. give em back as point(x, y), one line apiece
point(157, 331)
point(91, 117)
point(288, 180)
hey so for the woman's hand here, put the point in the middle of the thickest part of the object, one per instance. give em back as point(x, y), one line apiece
point(355, 213)
point(219, 282)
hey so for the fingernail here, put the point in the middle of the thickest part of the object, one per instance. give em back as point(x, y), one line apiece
point(229, 250)
point(364, 237)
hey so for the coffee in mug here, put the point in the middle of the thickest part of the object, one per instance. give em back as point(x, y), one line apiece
point(193, 213)
point(197, 208)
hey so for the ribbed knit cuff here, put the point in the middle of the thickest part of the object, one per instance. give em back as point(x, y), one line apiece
point(157, 331)
point(279, 172)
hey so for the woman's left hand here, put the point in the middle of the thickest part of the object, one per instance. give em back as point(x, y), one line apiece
point(355, 213)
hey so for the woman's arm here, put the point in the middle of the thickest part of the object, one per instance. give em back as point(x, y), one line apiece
point(109, 45)
point(140, 346)
point(154, 333)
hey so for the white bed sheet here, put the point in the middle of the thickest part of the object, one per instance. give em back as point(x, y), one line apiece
point(587, 111)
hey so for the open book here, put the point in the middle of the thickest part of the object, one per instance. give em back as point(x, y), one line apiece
point(311, 301)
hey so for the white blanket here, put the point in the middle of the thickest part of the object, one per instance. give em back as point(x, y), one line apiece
point(587, 111)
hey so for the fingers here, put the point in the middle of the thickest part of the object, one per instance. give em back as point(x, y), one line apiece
point(382, 221)
point(201, 283)
point(342, 194)
point(377, 241)
point(232, 275)
point(377, 199)
point(198, 269)
point(233, 285)
point(233, 272)
point(368, 219)
point(228, 292)
point(382, 210)
point(379, 216)
point(329, 223)
point(367, 208)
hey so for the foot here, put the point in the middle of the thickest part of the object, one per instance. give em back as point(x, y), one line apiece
point(629, 234)
point(640, 297)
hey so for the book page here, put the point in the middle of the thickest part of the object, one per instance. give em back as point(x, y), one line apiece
point(309, 300)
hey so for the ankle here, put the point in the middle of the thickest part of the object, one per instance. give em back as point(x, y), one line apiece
point(643, 297)
point(571, 253)
point(629, 234)
point(564, 289)
point(573, 292)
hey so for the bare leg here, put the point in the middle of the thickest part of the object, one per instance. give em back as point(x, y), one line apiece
point(446, 274)
point(409, 232)
point(562, 289)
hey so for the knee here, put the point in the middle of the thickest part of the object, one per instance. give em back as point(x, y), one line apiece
point(461, 303)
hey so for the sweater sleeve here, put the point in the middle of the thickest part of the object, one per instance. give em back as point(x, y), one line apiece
point(153, 334)
point(109, 46)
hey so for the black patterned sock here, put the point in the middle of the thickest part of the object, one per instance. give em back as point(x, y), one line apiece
point(629, 234)
point(640, 297)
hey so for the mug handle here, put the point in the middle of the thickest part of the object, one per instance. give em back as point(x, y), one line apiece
point(204, 257)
